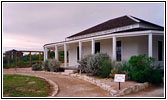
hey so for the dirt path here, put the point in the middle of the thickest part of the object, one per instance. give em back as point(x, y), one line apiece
point(68, 86)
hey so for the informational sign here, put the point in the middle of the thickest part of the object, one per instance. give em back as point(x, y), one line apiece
point(119, 78)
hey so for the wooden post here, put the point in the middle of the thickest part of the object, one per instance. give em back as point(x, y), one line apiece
point(39, 57)
point(119, 85)
point(8, 59)
point(19, 59)
point(30, 59)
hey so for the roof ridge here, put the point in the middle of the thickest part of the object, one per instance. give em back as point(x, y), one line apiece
point(136, 20)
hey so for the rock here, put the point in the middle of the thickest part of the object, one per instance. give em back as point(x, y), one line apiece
point(128, 91)
point(146, 84)
point(73, 75)
point(63, 73)
point(135, 88)
point(121, 93)
point(69, 71)
point(113, 91)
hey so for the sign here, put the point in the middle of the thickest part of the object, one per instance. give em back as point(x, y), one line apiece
point(119, 78)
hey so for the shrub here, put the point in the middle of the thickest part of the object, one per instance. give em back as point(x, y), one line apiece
point(143, 71)
point(95, 62)
point(120, 68)
point(141, 68)
point(116, 69)
point(156, 76)
point(36, 67)
point(45, 65)
point(105, 69)
point(53, 65)
point(83, 64)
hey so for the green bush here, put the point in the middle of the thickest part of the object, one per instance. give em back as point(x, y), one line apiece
point(93, 63)
point(156, 76)
point(120, 68)
point(105, 69)
point(142, 70)
point(36, 67)
point(45, 65)
point(51, 65)
point(83, 64)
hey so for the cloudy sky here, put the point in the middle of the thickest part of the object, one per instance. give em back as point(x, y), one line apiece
point(28, 26)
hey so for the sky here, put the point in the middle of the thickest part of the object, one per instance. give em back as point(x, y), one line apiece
point(28, 26)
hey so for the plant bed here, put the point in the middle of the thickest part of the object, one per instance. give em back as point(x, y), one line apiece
point(25, 86)
point(114, 85)
point(111, 86)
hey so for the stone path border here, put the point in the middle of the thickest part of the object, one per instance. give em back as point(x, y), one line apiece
point(106, 87)
point(55, 86)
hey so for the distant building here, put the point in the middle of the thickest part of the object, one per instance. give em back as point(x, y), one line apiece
point(13, 53)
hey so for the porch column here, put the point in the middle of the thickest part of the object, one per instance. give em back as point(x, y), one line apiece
point(80, 50)
point(44, 56)
point(93, 46)
point(150, 45)
point(65, 55)
point(114, 48)
point(56, 52)
point(45, 53)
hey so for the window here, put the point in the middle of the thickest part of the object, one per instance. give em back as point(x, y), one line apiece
point(159, 50)
point(97, 47)
point(77, 52)
point(118, 50)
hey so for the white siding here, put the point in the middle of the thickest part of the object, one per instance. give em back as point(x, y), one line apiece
point(131, 46)
point(86, 48)
point(155, 49)
point(106, 46)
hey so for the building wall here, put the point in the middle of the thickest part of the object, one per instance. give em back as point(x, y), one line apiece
point(155, 49)
point(106, 46)
point(86, 48)
point(131, 46)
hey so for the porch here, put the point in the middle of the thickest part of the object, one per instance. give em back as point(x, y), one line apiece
point(132, 43)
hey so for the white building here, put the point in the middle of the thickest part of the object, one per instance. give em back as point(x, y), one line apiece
point(121, 38)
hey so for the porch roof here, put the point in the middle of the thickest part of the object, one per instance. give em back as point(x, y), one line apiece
point(132, 32)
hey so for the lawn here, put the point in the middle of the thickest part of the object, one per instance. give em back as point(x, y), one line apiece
point(24, 86)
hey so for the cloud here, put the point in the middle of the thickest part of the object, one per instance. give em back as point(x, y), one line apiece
point(31, 25)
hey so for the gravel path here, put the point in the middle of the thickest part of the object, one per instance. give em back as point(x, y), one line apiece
point(68, 86)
